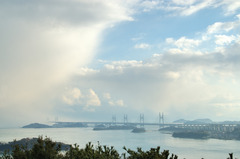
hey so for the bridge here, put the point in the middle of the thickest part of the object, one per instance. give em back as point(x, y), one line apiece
point(162, 124)
point(204, 127)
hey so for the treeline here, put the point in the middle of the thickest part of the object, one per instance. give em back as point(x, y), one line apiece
point(47, 149)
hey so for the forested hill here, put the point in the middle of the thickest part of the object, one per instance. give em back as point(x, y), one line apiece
point(56, 125)
point(28, 143)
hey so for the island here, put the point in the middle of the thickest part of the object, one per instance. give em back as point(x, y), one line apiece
point(57, 125)
point(113, 127)
point(204, 129)
point(191, 134)
point(37, 125)
point(29, 142)
point(139, 130)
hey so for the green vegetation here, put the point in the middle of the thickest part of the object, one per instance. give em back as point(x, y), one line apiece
point(191, 134)
point(47, 149)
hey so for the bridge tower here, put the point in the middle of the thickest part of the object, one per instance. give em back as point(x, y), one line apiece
point(56, 119)
point(141, 120)
point(161, 120)
point(125, 119)
point(114, 120)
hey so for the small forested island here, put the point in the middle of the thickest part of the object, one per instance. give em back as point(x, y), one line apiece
point(139, 130)
point(113, 127)
point(28, 143)
point(191, 134)
point(203, 133)
point(57, 125)
point(37, 125)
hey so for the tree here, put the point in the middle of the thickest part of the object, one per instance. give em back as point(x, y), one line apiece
point(42, 149)
point(153, 153)
point(47, 149)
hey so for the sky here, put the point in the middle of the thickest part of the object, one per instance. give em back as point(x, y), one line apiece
point(81, 60)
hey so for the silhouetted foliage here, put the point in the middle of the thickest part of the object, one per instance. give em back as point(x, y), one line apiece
point(42, 149)
point(47, 149)
point(153, 153)
point(100, 152)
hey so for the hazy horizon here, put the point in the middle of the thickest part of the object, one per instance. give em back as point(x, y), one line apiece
point(80, 60)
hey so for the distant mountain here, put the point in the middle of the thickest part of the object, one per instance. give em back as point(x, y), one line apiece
point(180, 121)
point(36, 125)
point(207, 121)
point(57, 125)
point(197, 121)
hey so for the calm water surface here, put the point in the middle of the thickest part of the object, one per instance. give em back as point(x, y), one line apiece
point(184, 148)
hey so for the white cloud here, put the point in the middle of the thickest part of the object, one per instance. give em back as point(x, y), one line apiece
point(75, 97)
point(238, 16)
point(173, 75)
point(119, 103)
point(84, 70)
point(67, 100)
point(216, 35)
point(230, 6)
point(224, 39)
point(215, 28)
point(116, 103)
point(220, 27)
point(178, 7)
point(197, 7)
point(142, 46)
point(76, 93)
point(72, 97)
point(183, 42)
point(56, 38)
point(119, 66)
point(223, 27)
point(183, 2)
point(111, 101)
point(184, 51)
point(189, 7)
point(173, 82)
point(43, 43)
point(149, 5)
point(93, 99)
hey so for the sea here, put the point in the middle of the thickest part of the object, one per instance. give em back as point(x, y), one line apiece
point(184, 148)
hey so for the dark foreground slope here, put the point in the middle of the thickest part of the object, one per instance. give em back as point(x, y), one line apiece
point(28, 143)
point(47, 149)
